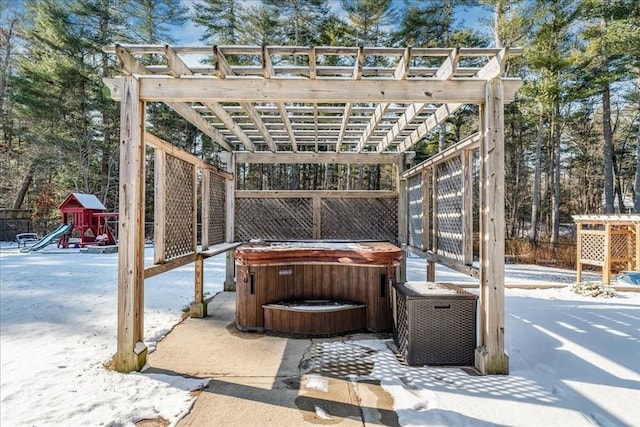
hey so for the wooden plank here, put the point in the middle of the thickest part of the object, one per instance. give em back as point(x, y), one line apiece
point(446, 71)
point(217, 109)
point(132, 66)
point(229, 202)
point(317, 217)
point(296, 194)
point(157, 143)
point(206, 89)
point(198, 121)
point(491, 357)
point(606, 268)
point(494, 68)
point(447, 262)
point(194, 209)
point(467, 143)
point(467, 206)
point(218, 249)
point(157, 269)
point(579, 252)
point(316, 158)
point(159, 206)
point(131, 352)
point(205, 210)
point(224, 70)
point(402, 69)
point(343, 126)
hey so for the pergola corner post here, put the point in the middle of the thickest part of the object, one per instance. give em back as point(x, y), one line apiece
point(131, 354)
point(230, 203)
point(490, 356)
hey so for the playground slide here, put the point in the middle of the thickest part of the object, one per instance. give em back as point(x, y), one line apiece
point(46, 240)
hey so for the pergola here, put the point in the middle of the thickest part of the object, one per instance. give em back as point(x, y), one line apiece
point(312, 105)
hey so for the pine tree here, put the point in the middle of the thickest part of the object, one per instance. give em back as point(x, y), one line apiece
point(220, 18)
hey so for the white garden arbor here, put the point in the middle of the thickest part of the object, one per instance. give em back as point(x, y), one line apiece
point(312, 105)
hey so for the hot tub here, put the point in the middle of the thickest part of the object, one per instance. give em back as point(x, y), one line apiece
point(272, 275)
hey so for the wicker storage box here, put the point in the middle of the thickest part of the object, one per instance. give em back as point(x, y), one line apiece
point(434, 323)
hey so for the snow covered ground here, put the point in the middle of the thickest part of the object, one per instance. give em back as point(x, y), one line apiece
point(574, 360)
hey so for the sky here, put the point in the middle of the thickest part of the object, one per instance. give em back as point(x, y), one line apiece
point(478, 17)
point(573, 359)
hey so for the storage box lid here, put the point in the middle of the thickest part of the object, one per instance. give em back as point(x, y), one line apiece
point(433, 290)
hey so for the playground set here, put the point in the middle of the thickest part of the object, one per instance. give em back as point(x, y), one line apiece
point(86, 214)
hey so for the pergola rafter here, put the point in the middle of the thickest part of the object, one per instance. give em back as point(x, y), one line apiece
point(286, 98)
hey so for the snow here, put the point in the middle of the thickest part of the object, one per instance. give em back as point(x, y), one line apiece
point(574, 360)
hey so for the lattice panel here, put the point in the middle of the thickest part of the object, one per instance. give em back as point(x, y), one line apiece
point(415, 196)
point(449, 208)
point(592, 248)
point(274, 219)
point(621, 244)
point(217, 196)
point(180, 206)
point(360, 219)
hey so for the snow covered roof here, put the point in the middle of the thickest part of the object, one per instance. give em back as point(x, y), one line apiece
point(87, 201)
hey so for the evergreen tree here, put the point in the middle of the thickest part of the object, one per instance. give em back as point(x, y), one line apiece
point(221, 20)
point(605, 61)
point(547, 56)
point(368, 20)
point(301, 19)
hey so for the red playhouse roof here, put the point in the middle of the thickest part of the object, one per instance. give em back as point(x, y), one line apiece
point(86, 201)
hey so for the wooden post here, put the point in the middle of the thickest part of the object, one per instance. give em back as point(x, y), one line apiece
point(432, 185)
point(198, 307)
point(159, 205)
point(316, 207)
point(606, 266)
point(579, 252)
point(131, 352)
point(403, 217)
point(637, 254)
point(230, 203)
point(205, 211)
point(490, 355)
point(467, 206)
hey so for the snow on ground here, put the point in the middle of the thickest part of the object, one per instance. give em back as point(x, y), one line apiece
point(574, 360)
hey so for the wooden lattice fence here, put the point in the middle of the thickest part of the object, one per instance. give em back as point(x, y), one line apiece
point(305, 215)
point(440, 206)
point(605, 240)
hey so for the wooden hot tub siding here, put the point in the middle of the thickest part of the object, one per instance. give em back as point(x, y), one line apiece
point(265, 284)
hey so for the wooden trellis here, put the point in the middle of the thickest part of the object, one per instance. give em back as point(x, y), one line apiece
point(440, 194)
point(283, 104)
point(603, 240)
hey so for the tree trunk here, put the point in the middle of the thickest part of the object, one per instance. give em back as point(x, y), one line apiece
point(535, 197)
point(636, 195)
point(555, 215)
point(24, 188)
point(608, 150)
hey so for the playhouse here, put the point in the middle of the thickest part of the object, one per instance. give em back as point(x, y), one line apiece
point(89, 217)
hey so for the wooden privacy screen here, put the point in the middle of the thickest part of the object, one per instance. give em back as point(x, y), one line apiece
point(306, 215)
point(176, 178)
point(440, 203)
point(607, 239)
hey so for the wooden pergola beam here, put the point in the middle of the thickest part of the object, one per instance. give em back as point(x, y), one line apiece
point(316, 157)
point(206, 89)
